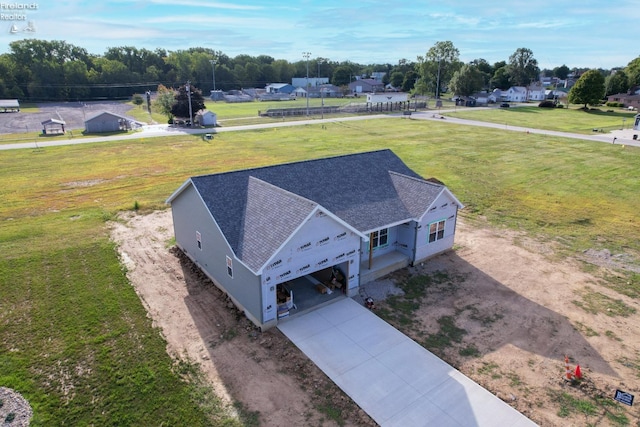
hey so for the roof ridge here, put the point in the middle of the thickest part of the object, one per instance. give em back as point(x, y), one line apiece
point(249, 170)
point(422, 180)
point(282, 190)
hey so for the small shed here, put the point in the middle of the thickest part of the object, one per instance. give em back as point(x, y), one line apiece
point(206, 118)
point(53, 127)
point(9, 106)
point(108, 122)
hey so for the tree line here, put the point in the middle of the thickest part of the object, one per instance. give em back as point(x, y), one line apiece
point(51, 70)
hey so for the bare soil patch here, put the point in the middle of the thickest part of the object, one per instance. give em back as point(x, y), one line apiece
point(263, 371)
point(520, 313)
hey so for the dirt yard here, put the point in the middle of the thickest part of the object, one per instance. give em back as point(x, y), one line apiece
point(518, 310)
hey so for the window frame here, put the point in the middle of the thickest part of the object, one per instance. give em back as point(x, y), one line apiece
point(438, 233)
point(229, 266)
point(376, 238)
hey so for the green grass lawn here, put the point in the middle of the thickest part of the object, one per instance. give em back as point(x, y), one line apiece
point(74, 337)
point(573, 119)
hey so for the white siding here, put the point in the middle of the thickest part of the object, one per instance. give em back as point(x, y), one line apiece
point(320, 243)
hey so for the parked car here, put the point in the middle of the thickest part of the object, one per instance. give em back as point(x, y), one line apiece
point(504, 105)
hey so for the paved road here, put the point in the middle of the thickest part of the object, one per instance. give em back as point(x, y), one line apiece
point(151, 131)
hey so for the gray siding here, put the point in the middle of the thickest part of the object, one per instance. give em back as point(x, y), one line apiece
point(443, 209)
point(191, 216)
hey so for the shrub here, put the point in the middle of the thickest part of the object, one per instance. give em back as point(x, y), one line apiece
point(559, 106)
point(547, 104)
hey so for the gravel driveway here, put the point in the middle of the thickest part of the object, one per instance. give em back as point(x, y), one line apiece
point(73, 113)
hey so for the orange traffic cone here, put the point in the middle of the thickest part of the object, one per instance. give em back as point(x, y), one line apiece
point(578, 373)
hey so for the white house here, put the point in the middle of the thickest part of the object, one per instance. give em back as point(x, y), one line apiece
point(314, 229)
point(536, 92)
point(515, 94)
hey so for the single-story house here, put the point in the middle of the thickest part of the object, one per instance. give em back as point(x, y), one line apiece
point(484, 98)
point(357, 217)
point(556, 94)
point(628, 100)
point(9, 106)
point(282, 88)
point(109, 122)
point(366, 86)
point(206, 118)
point(53, 126)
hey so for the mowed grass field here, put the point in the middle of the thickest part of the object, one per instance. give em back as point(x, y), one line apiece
point(74, 337)
point(574, 119)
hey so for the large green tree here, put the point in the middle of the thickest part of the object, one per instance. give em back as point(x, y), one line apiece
point(342, 75)
point(632, 70)
point(466, 81)
point(561, 72)
point(165, 99)
point(616, 82)
point(437, 67)
point(180, 107)
point(501, 78)
point(523, 67)
point(588, 90)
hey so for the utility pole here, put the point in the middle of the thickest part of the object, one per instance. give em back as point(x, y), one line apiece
point(306, 56)
point(213, 68)
point(188, 88)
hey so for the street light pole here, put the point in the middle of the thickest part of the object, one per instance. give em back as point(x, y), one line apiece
point(188, 89)
point(306, 56)
point(213, 68)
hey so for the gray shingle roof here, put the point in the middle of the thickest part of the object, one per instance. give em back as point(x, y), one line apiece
point(257, 209)
point(265, 227)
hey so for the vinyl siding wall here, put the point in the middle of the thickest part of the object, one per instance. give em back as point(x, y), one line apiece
point(190, 216)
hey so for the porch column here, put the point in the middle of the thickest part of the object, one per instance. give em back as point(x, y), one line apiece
point(370, 250)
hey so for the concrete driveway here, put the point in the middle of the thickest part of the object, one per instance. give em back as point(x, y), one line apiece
point(391, 377)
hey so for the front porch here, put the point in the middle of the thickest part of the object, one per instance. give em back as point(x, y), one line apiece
point(381, 266)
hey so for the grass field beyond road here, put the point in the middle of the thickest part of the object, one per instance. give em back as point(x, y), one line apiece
point(75, 339)
point(574, 120)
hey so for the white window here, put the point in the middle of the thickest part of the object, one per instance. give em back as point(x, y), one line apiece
point(436, 231)
point(199, 240)
point(380, 238)
point(230, 267)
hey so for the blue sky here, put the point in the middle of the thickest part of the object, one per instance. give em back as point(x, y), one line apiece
point(584, 33)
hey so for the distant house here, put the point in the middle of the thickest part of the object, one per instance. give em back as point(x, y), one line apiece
point(282, 88)
point(109, 122)
point(366, 86)
point(515, 94)
point(556, 94)
point(484, 98)
point(318, 226)
point(536, 92)
point(9, 105)
point(206, 118)
point(626, 100)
